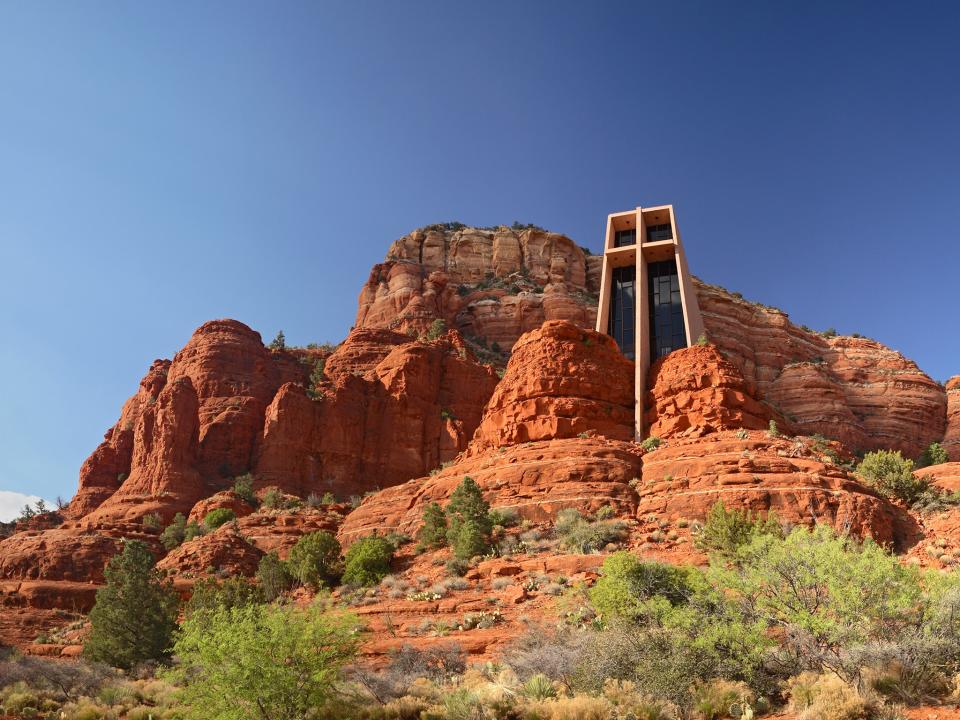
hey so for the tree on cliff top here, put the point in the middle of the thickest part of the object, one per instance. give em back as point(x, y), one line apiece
point(135, 613)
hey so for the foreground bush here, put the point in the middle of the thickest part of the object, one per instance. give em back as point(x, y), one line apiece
point(261, 661)
point(135, 612)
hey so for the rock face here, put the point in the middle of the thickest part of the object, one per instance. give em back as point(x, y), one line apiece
point(561, 381)
point(696, 391)
point(493, 285)
point(686, 477)
point(851, 389)
point(951, 438)
point(415, 409)
point(537, 479)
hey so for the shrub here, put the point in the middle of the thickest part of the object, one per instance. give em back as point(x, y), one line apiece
point(315, 560)
point(273, 499)
point(209, 595)
point(582, 536)
point(262, 661)
point(822, 592)
point(702, 340)
point(651, 443)
point(317, 376)
point(456, 566)
point(468, 520)
point(892, 475)
point(135, 614)
point(367, 561)
point(437, 329)
point(539, 687)
point(243, 487)
point(626, 582)
point(279, 342)
point(933, 455)
point(504, 517)
point(175, 533)
point(722, 699)
point(152, 521)
point(216, 518)
point(605, 513)
point(273, 576)
point(192, 530)
point(433, 533)
point(725, 531)
point(772, 430)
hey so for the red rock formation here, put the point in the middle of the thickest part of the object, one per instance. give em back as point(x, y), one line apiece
point(696, 391)
point(951, 437)
point(538, 479)
point(686, 477)
point(945, 476)
point(852, 389)
point(226, 499)
point(561, 381)
point(417, 408)
point(492, 284)
point(362, 351)
point(225, 550)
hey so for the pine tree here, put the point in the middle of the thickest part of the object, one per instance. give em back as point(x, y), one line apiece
point(135, 613)
point(279, 342)
point(433, 533)
point(468, 520)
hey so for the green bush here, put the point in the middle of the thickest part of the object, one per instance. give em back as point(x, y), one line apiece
point(470, 540)
point(579, 535)
point(315, 560)
point(243, 487)
point(627, 582)
point(468, 520)
point(433, 533)
point(725, 531)
point(822, 593)
point(273, 576)
point(152, 521)
point(135, 613)
point(193, 530)
point(173, 534)
point(892, 475)
point(933, 455)
point(216, 518)
point(367, 561)
point(651, 443)
point(772, 430)
point(209, 595)
point(261, 661)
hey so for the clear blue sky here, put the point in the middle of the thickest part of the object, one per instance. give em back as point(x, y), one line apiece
point(162, 164)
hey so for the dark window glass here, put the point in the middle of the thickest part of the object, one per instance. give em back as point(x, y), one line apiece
point(621, 238)
point(622, 309)
point(659, 232)
point(667, 331)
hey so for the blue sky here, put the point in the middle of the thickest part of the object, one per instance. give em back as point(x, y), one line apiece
point(162, 164)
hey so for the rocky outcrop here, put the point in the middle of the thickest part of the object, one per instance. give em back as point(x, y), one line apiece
point(851, 389)
point(225, 500)
point(560, 382)
point(537, 479)
point(696, 391)
point(945, 476)
point(494, 284)
point(417, 408)
point(791, 477)
point(951, 437)
point(224, 552)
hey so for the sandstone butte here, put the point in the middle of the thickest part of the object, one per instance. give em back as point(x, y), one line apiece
point(399, 421)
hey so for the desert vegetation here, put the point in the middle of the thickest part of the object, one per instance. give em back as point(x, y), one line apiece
point(809, 622)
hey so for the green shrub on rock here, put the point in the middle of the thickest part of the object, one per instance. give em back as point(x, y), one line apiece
point(315, 560)
point(216, 518)
point(367, 561)
point(892, 475)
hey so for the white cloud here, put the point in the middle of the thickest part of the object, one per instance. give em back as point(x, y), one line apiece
point(11, 503)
